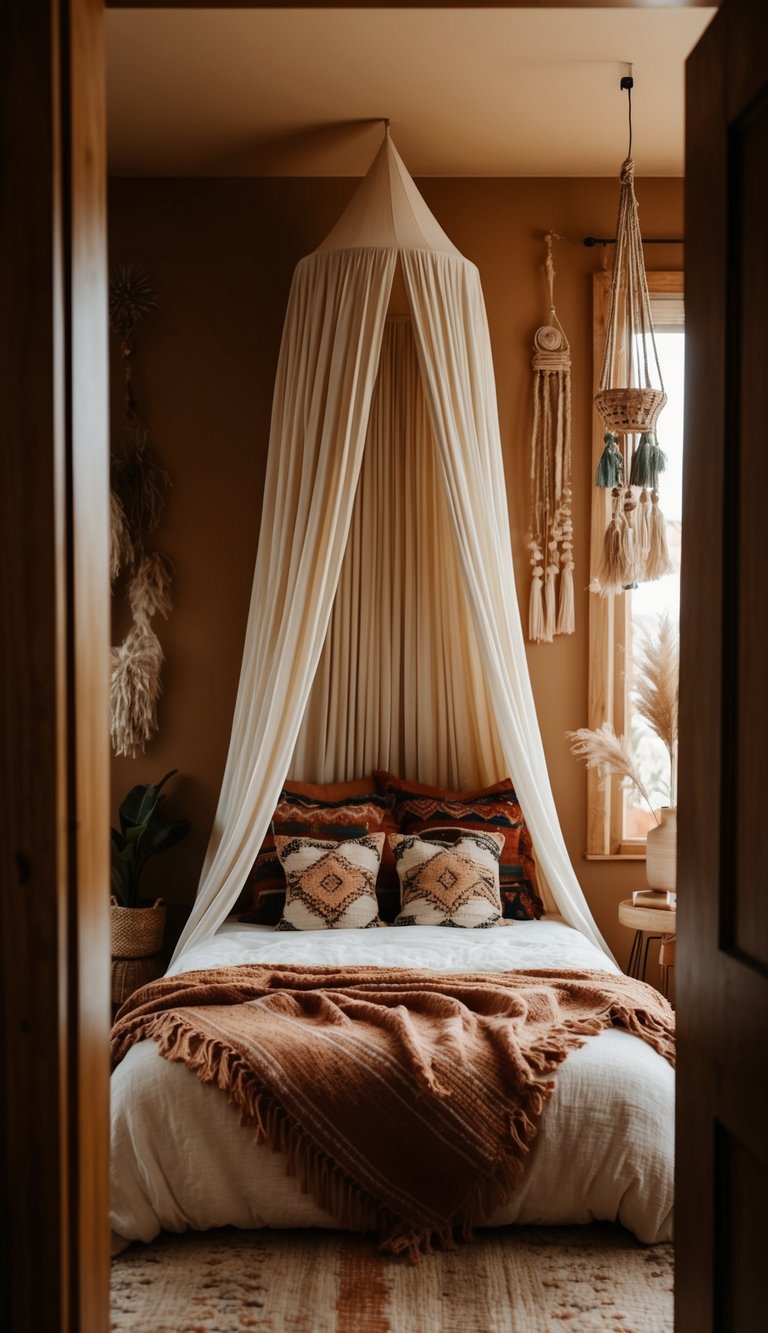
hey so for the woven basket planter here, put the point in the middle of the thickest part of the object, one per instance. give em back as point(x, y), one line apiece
point(128, 974)
point(626, 410)
point(137, 932)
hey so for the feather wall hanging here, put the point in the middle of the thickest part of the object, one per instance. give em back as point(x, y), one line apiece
point(550, 534)
point(139, 491)
point(629, 399)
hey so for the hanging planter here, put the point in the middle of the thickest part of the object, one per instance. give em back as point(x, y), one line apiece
point(629, 399)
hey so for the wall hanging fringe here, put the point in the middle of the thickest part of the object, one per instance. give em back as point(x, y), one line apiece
point(550, 535)
point(629, 399)
point(139, 489)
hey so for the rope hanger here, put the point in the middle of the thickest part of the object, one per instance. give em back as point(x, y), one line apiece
point(629, 399)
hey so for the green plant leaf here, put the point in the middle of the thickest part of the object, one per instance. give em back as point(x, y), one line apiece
point(118, 841)
point(143, 834)
point(161, 837)
point(119, 887)
point(140, 803)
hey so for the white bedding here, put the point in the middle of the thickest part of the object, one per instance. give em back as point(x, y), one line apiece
point(181, 1158)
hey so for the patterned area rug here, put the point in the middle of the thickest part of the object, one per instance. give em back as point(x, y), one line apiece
point(511, 1280)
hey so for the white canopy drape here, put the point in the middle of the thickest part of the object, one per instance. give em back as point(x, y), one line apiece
point(322, 415)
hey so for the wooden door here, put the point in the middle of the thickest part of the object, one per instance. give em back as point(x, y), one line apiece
point(722, 973)
point(54, 655)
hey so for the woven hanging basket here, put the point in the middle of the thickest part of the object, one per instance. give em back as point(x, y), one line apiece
point(627, 410)
point(137, 932)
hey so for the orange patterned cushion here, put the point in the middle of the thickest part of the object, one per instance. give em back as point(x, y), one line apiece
point(486, 809)
point(449, 883)
point(330, 793)
point(263, 897)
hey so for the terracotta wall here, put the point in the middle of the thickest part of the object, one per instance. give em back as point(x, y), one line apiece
point(221, 253)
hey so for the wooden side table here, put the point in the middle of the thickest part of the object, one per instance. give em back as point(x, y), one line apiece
point(649, 924)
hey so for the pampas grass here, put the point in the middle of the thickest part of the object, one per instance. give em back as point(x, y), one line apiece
point(149, 593)
point(135, 689)
point(655, 681)
point(120, 544)
point(610, 754)
point(142, 486)
point(655, 684)
point(139, 491)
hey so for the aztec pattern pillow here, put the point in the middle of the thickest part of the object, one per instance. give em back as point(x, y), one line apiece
point(449, 883)
point(495, 809)
point(346, 804)
point(263, 897)
point(330, 885)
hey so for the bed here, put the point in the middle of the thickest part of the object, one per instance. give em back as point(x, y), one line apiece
point(182, 1159)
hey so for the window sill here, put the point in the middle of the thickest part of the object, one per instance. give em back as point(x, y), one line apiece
point(614, 856)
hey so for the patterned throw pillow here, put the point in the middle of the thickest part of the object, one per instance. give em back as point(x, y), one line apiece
point(419, 808)
point(263, 897)
point(329, 885)
point(519, 899)
point(343, 803)
point(449, 883)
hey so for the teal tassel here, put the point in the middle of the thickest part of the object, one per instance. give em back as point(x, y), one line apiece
point(648, 461)
point(640, 473)
point(658, 462)
point(611, 465)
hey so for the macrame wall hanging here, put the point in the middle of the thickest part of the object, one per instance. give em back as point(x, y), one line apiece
point(629, 399)
point(550, 535)
point(137, 499)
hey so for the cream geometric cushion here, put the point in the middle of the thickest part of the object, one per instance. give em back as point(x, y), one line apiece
point(330, 885)
point(449, 884)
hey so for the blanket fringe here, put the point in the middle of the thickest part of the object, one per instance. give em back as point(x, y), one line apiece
point(216, 1063)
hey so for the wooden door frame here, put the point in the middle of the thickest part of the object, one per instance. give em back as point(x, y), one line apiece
point(54, 932)
point(54, 489)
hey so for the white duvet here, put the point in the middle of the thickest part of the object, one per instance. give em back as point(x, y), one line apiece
point(181, 1158)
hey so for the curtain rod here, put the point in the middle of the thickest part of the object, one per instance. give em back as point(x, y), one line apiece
point(647, 240)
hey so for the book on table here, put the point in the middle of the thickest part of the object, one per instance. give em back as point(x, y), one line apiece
point(653, 898)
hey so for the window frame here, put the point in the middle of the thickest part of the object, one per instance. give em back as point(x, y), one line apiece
point(608, 616)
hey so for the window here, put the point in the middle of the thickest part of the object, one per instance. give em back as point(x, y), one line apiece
point(617, 824)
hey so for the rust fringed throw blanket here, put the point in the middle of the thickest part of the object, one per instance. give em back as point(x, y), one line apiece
point(407, 1101)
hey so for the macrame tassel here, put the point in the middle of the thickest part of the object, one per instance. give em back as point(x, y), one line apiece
point(566, 612)
point(616, 562)
point(536, 603)
point(550, 600)
point(610, 469)
point(648, 461)
point(642, 531)
point(658, 563)
point(630, 507)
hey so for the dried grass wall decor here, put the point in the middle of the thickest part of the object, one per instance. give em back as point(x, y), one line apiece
point(550, 534)
point(139, 491)
point(629, 399)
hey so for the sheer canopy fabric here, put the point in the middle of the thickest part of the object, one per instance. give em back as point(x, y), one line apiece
point(400, 684)
point(329, 360)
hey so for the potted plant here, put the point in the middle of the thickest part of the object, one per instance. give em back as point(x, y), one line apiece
point(137, 926)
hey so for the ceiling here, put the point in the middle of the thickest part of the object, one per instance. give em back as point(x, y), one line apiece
point(470, 92)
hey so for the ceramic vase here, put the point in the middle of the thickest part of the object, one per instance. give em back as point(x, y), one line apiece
point(661, 852)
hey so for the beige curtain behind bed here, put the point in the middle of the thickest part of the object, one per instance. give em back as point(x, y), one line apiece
point(400, 683)
point(322, 406)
